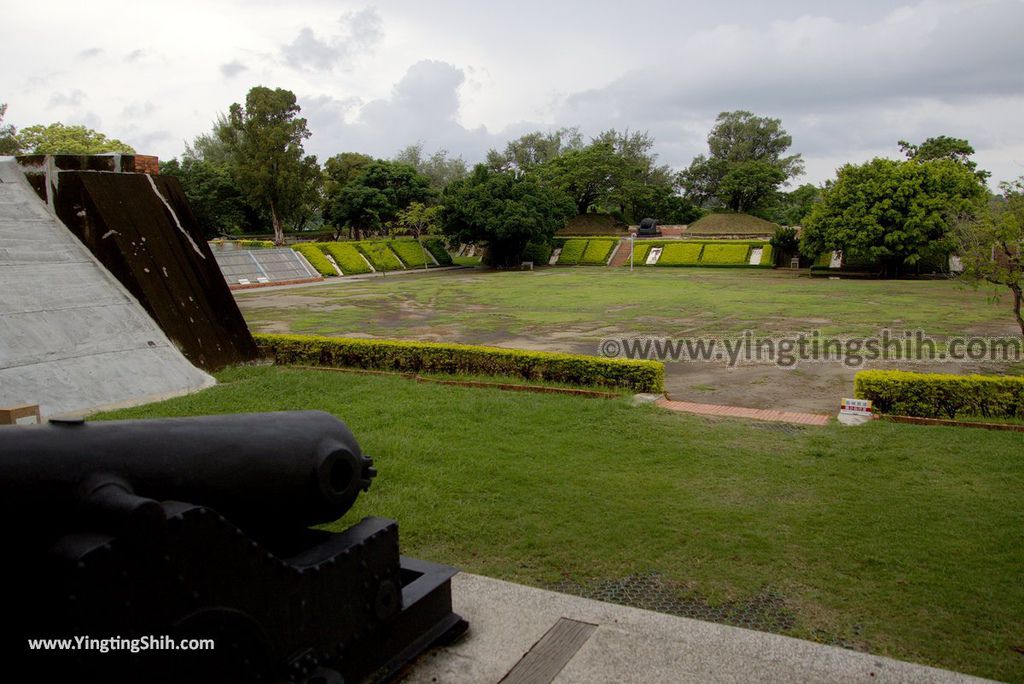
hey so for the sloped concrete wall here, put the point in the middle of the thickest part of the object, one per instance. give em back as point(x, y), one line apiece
point(71, 337)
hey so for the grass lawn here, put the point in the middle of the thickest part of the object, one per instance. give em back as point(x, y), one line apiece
point(901, 540)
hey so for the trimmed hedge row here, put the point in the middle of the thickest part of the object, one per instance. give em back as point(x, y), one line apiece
point(432, 357)
point(437, 249)
point(725, 254)
point(348, 258)
point(640, 252)
point(410, 252)
point(680, 254)
point(380, 255)
point(538, 252)
point(572, 251)
point(597, 252)
point(936, 395)
point(315, 258)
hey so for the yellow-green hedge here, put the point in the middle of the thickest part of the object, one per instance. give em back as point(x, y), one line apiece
point(410, 252)
point(433, 357)
point(680, 254)
point(348, 258)
point(572, 251)
point(935, 395)
point(315, 258)
point(724, 253)
point(597, 252)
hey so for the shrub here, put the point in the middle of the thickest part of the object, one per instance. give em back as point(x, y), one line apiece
point(437, 249)
point(767, 256)
point(432, 357)
point(410, 252)
point(256, 244)
point(597, 251)
point(680, 254)
point(724, 253)
point(571, 252)
point(640, 251)
point(348, 258)
point(537, 252)
point(380, 255)
point(935, 395)
point(315, 258)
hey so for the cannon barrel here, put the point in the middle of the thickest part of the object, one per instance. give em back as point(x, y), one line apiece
point(269, 470)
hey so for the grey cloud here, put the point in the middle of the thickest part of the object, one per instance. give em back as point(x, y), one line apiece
point(134, 56)
point(139, 109)
point(359, 32)
point(232, 68)
point(90, 53)
point(71, 99)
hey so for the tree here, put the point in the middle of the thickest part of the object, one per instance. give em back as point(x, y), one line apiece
point(892, 211)
point(944, 147)
point(217, 202)
point(376, 195)
point(264, 141)
point(438, 167)
point(342, 169)
point(589, 176)
point(745, 166)
point(534, 149)
point(505, 210)
point(790, 208)
point(8, 134)
point(991, 246)
point(419, 219)
point(57, 138)
point(785, 243)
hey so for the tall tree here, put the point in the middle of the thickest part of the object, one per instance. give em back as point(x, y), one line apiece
point(892, 211)
point(746, 163)
point(991, 246)
point(790, 208)
point(944, 147)
point(217, 202)
point(438, 167)
point(505, 210)
point(8, 134)
point(56, 138)
point(264, 138)
point(589, 176)
point(534, 149)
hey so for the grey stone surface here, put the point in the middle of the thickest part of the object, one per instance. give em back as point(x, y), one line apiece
point(633, 645)
point(272, 264)
point(72, 339)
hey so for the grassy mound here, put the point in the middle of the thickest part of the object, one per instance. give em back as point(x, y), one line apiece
point(732, 224)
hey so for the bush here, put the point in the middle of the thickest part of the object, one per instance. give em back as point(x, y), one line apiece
point(432, 357)
point(768, 256)
point(380, 255)
point(571, 252)
point(410, 252)
point(315, 258)
point(437, 249)
point(681, 254)
point(348, 258)
point(724, 253)
point(537, 252)
point(934, 395)
point(597, 251)
point(640, 251)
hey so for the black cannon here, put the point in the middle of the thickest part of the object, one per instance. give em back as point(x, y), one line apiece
point(648, 228)
point(136, 540)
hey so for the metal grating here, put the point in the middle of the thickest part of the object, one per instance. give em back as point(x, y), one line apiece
point(262, 265)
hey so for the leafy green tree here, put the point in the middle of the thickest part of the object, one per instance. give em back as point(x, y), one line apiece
point(991, 246)
point(57, 138)
point(419, 219)
point(785, 243)
point(342, 169)
point(746, 164)
point(534, 149)
point(8, 134)
point(891, 211)
point(438, 167)
point(217, 202)
point(589, 176)
point(790, 208)
point(944, 147)
point(264, 140)
point(505, 210)
point(376, 195)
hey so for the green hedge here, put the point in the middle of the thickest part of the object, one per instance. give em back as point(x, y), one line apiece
point(432, 357)
point(410, 252)
point(724, 253)
point(767, 256)
point(681, 254)
point(437, 249)
point(597, 251)
point(935, 395)
point(538, 252)
point(315, 258)
point(380, 255)
point(572, 251)
point(640, 250)
point(348, 258)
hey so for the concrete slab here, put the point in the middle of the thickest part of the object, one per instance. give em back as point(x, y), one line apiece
point(633, 645)
point(72, 339)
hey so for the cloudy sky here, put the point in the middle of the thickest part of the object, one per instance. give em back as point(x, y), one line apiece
point(847, 79)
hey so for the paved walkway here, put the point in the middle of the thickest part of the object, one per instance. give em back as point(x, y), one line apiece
point(740, 412)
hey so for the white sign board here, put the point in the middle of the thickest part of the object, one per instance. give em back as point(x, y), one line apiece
point(755, 256)
point(855, 411)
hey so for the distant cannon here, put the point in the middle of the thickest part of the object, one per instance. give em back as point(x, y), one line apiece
point(197, 528)
point(648, 228)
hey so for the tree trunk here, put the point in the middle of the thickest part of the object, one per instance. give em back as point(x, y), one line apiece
point(1018, 297)
point(278, 228)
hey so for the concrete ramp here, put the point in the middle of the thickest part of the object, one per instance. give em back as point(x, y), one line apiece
point(71, 337)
